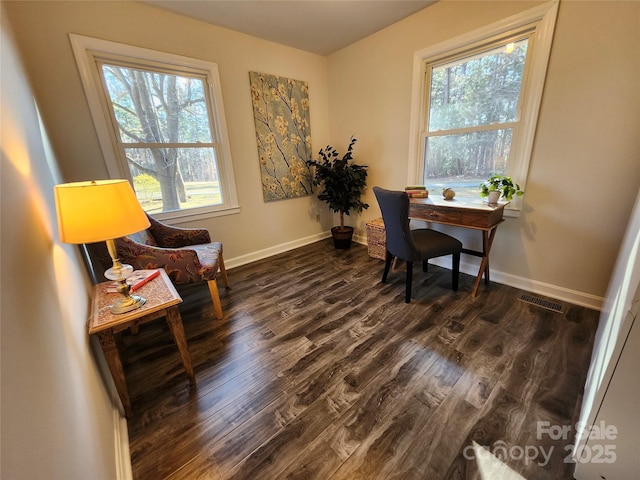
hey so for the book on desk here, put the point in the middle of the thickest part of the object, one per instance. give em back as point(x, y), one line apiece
point(416, 191)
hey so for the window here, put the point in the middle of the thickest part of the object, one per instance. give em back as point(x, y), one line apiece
point(473, 109)
point(476, 102)
point(160, 122)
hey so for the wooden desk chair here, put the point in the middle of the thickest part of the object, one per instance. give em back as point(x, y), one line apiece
point(412, 245)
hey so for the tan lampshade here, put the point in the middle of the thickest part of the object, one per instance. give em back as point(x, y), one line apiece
point(99, 210)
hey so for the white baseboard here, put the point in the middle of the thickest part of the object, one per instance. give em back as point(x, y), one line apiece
point(360, 239)
point(123, 453)
point(553, 291)
point(276, 249)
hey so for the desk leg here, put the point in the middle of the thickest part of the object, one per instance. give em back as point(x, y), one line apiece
point(487, 241)
point(174, 320)
point(110, 349)
point(485, 257)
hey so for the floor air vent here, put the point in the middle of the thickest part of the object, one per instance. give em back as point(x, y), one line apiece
point(541, 302)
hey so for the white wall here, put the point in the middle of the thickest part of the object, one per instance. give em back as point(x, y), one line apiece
point(42, 30)
point(57, 417)
point(585, 169)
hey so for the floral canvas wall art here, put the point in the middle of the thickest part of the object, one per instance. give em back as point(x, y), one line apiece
point(283, 135)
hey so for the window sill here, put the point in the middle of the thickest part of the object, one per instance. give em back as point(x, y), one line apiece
point(512, 212)
point(181, 216)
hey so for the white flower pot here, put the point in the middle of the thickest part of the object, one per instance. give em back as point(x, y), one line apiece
point(494, 196)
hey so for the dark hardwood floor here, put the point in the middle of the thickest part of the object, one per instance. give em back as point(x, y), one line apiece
point(319, 371)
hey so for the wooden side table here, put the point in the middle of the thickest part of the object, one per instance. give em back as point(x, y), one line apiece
point(162, 300)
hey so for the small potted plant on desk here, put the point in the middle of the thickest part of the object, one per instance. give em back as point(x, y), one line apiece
point(342, 183)
point(497, 186)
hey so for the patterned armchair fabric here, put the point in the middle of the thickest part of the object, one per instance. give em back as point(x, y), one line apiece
point(188, 264)
point(187, 255)
point(173, 237)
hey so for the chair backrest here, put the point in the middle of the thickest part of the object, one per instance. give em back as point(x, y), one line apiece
point(395, 214)
point(145, 237)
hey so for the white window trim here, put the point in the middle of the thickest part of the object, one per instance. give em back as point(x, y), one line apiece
point(84, 49)
point(543, 18)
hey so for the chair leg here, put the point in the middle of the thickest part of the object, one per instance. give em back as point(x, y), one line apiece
point(215, 297)
point(455, 271)
point(407, 296)
point(223, 272)
point(387, 266)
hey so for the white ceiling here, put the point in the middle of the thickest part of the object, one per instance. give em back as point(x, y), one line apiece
point(317, 26)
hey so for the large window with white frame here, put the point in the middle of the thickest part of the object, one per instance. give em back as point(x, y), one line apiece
point(476, 100)
point(161, 124)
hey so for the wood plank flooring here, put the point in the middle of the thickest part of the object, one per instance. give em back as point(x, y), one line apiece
point(319, 371)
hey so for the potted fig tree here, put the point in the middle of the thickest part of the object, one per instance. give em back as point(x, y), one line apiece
point(341, 182)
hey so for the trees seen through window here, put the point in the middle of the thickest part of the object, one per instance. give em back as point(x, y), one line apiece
point(165, 135)
point(473, 108)
point(161, 124)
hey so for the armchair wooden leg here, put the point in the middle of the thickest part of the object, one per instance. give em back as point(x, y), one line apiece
point(223, 272)
point(215, 297)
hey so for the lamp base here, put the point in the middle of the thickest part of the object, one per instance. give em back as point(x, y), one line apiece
point(119, 272)
point(127, 304)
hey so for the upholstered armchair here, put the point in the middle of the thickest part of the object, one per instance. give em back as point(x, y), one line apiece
point(187, 255)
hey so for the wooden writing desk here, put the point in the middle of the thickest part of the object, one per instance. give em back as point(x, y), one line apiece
point(467, 213)
point(162, 300)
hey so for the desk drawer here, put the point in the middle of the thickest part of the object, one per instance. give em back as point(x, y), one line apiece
point(441, 216)
point(481, 219)
point(478, 216)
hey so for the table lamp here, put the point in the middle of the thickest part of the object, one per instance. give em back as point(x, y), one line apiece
point(102, 210)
